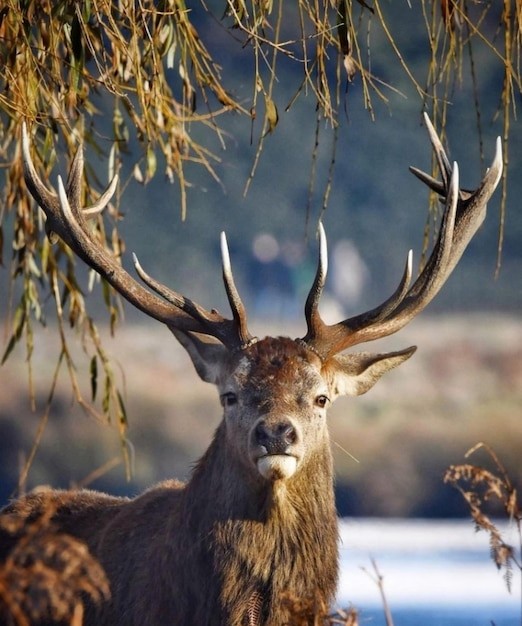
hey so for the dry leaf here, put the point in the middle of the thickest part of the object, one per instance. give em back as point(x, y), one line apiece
point(271, 115)
point(350, 66)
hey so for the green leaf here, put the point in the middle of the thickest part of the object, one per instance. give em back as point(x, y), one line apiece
point(86, 10)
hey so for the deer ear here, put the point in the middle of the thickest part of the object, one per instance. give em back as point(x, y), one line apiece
point(355, 374)
point(207, 354)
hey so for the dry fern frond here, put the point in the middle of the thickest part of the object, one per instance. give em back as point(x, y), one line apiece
point(314, 612)
point(344, 617)
point(47, 575)
point(479, 486)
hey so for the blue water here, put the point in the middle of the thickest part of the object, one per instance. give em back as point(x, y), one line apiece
point(441, 617)
point(434, 573)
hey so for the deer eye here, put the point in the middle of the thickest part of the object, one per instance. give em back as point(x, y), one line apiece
point(321, 401)
point(228, 399)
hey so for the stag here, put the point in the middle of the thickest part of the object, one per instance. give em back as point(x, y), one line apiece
point(256, 522)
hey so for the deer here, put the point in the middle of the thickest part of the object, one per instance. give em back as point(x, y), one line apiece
point(256, 521)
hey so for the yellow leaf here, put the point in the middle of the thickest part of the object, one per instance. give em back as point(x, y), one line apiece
point(151, 163)
point(271, 114)
point(136, 172)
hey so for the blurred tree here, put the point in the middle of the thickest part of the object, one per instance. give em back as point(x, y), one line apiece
point(147, 73)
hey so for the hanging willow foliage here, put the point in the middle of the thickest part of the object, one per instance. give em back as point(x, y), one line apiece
point(147, 64)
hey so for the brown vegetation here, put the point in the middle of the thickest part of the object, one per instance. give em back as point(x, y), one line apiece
point(47, 574)
point(483, 488)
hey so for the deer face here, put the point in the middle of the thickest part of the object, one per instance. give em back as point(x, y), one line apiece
point(274, 399)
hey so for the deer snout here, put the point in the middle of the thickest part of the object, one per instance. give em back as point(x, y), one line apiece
point(274, 447)
point(276, 438)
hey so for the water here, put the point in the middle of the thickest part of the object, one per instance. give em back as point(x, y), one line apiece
point(436, 616)
point(435, 573)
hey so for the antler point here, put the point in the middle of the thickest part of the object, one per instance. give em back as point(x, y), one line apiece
point(498, 155)
point(323, 250)
point(455, 176)
point(225, 255)
point(25, 135)
point(61, 186)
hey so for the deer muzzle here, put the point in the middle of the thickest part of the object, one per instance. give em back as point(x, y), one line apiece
point(274, 449)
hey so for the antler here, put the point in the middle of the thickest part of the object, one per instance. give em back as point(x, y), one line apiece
point(67, 219)
point(463, 214)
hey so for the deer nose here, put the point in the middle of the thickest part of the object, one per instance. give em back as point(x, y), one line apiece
point(275, 438)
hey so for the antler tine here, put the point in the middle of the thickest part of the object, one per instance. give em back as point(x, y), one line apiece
point(428, 180)
point(436, 269)
point(74, 179)
point(103, 200)
point(388, 306)
point(440, 153)
point(48, 199)
point(463, 214)
point(444, 166)
point(168, 294)
point(236, 304)
point(68, 220)
point(212, 323)
point(74, 188)
point(73, 231)
point(42, 195)
point(327, 340)
point(314, 322)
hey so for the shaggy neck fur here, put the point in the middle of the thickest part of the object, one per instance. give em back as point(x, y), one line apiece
point(260, 544)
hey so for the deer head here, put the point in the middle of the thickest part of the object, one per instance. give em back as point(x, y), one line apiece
point(267, 386)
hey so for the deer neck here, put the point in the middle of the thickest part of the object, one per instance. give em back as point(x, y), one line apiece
point(256, 537)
